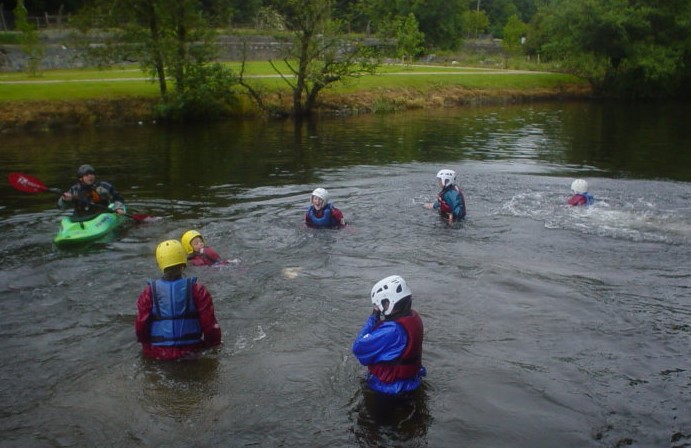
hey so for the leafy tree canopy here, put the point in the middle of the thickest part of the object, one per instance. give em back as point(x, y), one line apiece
point(635, 48)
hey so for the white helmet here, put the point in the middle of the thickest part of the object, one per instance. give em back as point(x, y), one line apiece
point(447, 177)
point(321, 193)
point(579, 186)
point(391, 288)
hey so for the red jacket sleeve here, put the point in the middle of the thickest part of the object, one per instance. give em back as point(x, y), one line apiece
point(337, 214)
point(212, 255)
point(207, 316)
point(142, 324)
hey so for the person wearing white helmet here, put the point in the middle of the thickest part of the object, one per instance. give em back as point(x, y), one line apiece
point(321, 213)
point(450, 201)
point(579, 189)
point(90, 197)
point(390, 341)
point(175, 314)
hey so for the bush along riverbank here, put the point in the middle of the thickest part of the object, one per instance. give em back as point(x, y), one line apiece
point(58, 114)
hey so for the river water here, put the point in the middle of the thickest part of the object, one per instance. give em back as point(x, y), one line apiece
point(546, 326)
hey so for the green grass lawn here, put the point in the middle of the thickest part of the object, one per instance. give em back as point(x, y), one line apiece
point(130, 81)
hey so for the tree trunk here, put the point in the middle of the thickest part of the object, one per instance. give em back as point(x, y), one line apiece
point(156, 50)
point(181, 34)
point(300, 86)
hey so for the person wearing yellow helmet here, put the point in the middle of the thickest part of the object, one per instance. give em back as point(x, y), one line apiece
point(198, 253)
point(175, 314)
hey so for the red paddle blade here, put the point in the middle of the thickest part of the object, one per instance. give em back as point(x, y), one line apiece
point(26, 183)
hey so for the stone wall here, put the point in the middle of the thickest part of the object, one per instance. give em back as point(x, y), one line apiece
point(59, 53)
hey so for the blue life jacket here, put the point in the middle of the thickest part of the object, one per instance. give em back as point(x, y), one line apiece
point(325, 220)
point(174, 316)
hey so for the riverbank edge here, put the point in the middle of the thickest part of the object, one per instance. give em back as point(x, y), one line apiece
point(43, 116)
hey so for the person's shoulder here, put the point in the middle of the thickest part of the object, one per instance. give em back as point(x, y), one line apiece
point(199, 289)
point(195, 259)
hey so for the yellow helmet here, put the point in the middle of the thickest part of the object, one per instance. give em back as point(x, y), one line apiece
point(170, 253)
point(187, 238)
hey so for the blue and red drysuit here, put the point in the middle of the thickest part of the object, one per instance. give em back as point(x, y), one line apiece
point(392, 352)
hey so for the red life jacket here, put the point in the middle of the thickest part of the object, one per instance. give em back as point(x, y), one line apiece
point(410, 362)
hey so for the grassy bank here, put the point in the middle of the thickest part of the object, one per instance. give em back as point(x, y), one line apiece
point(96, 97)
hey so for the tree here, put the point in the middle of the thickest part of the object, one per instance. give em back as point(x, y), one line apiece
point(319, 55)
point(441, 21)
point(30, 43)
point(243, 11)
point(409, 38)
point(499, 12)
point(637, 49)
point(475, 22)
point(169, 38)
point(406, 33)
point(514, 32)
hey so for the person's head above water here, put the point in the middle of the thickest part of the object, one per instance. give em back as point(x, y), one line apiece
point(319, 198)
point(391, 295)
point(446, 178)
point(171, 258)
point(86, 174)
point(579, 186)
point(192, 241)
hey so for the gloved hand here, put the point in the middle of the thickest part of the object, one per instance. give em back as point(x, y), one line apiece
point(376, 313)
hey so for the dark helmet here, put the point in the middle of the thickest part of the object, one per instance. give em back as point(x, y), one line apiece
point(84, 170)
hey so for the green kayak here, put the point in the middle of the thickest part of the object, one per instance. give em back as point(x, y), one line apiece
point(74, 232)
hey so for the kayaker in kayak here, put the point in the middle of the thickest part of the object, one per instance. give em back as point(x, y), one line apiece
point(198, 253)
point(90, 197)
point(175, 314)
point(450, 201)
point(323, 214)
point(579, 189)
